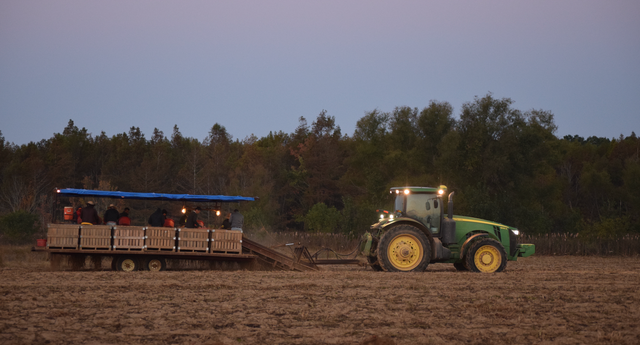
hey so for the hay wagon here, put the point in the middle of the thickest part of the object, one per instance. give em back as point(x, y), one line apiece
point(133, 248)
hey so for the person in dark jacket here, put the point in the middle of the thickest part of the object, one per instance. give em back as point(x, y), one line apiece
point(156, 219)
point(226, 223)
point(89, 214)
point(192, 220)
point(111, 215)
point(237, 220)
point(168, 222)
point(182, 222)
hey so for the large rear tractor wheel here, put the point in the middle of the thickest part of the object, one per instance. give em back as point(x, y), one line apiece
point(155, 264)
point(404, 248)
point(373, 262)
point(127, 264)
point(486, 256)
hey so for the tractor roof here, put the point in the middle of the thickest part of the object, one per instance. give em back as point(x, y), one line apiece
point(420, 189)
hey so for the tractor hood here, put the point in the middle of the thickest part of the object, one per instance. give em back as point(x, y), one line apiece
point(462, 219)
point(465, 219)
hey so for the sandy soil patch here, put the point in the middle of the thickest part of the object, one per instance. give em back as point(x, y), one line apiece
point(544, 300)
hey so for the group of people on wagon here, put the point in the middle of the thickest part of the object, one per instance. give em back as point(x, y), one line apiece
point(89, 216)
point(159, 218)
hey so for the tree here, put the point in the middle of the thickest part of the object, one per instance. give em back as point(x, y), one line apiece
point(434, 122)
point(189, 177)
point(321, 218)
point(368, 148)
point(320, 163)
point(497, 158)
point(216, 169)
point(18, 227)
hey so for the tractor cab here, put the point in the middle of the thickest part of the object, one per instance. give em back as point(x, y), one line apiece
point(422, 204)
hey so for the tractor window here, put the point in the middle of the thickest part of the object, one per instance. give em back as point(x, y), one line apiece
point(399, 206)
point(416, 207)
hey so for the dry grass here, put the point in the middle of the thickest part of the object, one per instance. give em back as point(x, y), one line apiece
point(313, 241)
point(542, 300)
point(574, 244)
point(19, 256)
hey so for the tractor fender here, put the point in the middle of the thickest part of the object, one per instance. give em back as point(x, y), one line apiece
point(409, 221)
point(469, 240)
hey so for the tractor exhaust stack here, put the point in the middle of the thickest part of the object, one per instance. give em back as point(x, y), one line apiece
point(449, 225)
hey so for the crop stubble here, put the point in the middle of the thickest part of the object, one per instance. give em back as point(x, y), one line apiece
point(564, 300)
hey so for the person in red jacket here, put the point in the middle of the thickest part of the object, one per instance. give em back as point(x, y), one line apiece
point(168, 222)
point(124, 217)
point(77, 217)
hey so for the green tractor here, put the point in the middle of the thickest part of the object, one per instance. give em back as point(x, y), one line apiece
point(417, 233)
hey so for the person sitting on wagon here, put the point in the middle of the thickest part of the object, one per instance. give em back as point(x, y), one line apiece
point(182, 222)
point(192, 220)
point(226, 223)
point(77, 216)
point(124, 217)
point(111, 215)
point(168, 222)
point(89, 214)
point(237, 220)
point(156, 219)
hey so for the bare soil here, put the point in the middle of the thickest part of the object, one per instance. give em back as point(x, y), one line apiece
point(538, 300)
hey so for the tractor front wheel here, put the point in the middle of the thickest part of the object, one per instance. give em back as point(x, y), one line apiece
point(486, 256)
point(404, 248)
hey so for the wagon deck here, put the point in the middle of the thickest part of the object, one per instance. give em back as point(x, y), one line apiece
point(147, 248)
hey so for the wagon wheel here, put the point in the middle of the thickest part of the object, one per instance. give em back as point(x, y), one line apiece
point(486, 256)
point(404, 248)
point(127, 264)
point(155, 264)
point(460, 266)
point(373, 262)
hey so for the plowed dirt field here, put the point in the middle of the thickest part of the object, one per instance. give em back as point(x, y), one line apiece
point(538, 300)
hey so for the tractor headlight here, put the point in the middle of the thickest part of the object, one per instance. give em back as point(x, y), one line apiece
point(515, 232)
point(382, 216)
point(390, 217)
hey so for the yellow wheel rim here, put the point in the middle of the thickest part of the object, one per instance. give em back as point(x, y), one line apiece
point(487, 259)
point(155, 265)
point(128, 265)
point(405, 252)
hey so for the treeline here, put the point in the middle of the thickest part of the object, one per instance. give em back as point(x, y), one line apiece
point(504, 164)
